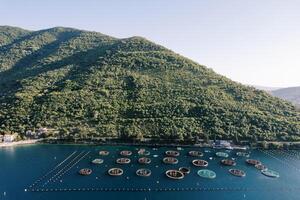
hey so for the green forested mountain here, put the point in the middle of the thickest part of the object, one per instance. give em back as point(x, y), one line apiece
point(85, 84)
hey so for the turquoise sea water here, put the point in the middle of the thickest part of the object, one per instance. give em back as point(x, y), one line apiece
point(51, 171)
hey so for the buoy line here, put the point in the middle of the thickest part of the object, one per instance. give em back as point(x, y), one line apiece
point(52, 170)
point(279, 160)
point(70, 163)
point(71, 166)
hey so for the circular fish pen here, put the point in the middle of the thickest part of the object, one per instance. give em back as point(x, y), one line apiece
point(205, 173)
point(196, 153)
point(172, 153)
point(103, 153)
point(237, 172)
point(222, 154)
point(170, 160)
point(228, 162)
point(260, 167)
point(143, 152)
point(126, 153)
point(85, 171)
point(270, 173)
point(174, 174)
point(253, 162)
point(143, 172)
point(144, 160)
point(97, 161)
point(243, 154)
point(115, 172)
point(200, 163)
point(185, 170)
point(123, 161)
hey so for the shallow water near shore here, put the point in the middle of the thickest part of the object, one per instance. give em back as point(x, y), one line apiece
point(51, 171)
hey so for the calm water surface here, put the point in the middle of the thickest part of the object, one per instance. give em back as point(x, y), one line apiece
point(23, 166)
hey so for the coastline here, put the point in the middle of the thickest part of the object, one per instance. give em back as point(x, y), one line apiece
point(22, 142)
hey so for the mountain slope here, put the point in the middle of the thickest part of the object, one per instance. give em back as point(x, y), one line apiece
point(9, 34)
point(291, 94)
point(86, 83)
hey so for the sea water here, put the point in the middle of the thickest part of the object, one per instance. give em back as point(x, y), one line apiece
point(51, 172)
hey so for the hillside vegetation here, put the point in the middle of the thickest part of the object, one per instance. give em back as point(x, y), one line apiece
point(84, 84)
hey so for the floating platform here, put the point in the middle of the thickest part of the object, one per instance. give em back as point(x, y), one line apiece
point(85, 171)
point(170, 160)
point(143, 152)
point(115, 171)
point(123, 161)
point(196, 153)
point(126, 153)
point(144, 160)
point(260, 167)
point(103, 153)
point(243, 154)
point(270, 173)
point(205, 173)
point(237, 172)
point(174, 174)
point(200, 163)
point(143, 172)
point(253, 162)
point(97, 161)
point(228, 162)
point(172, 153)
point(222, 154)
point(185, 170)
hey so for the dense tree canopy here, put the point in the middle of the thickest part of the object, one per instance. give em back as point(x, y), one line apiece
point(86, 84)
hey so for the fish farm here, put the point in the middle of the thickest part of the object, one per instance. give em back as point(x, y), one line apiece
point(103, 170)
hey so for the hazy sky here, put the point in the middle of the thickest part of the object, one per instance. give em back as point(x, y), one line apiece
point(250, 41)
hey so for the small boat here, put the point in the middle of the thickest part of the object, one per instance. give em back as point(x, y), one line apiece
point(185, 170)
point(270, 173)
point(123, 160)
point(237, 172)
point(172, 153)
point(207, 151)
point(103, 153)
point(205, 173)
point(115, 171)
point(200, 163)
point(228, 162)
point(144, 160)
point(126, 153)
point(174, 174)
point(222, 154)
point(196, 153)
point(260, 167)
point(143, 152)
point(143, 172)
point(253, 162)
point(85, 171)
point(243, 154)
point(97, 161)
point(155, 156)
point(170, 160)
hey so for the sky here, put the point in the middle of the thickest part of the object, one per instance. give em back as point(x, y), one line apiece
point(253, 42)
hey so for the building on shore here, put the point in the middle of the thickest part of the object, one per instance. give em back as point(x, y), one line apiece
point(9, 138)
